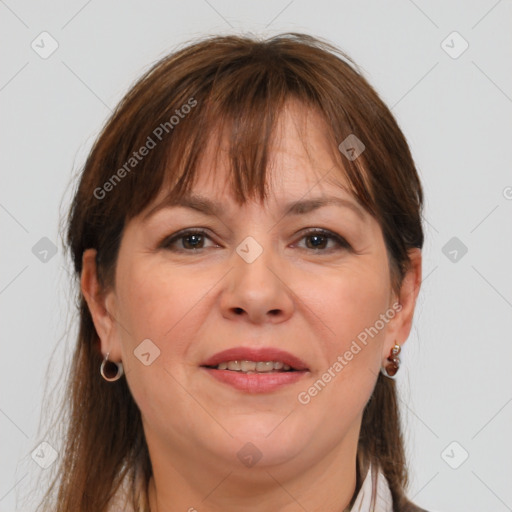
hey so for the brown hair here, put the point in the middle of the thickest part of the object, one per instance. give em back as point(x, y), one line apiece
point(239, 83)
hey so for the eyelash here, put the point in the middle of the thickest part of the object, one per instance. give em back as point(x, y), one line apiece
point(168, 241)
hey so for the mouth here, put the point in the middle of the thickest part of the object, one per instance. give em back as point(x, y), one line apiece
point(255, 360)
point(249, 367)
point(255, 370)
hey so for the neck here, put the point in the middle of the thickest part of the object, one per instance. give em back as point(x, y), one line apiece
point(329, 484)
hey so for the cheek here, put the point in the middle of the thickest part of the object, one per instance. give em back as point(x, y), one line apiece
point(168, 308)
point(351, 300)
point(352, 350)
point(155, 302)
point(353, 309)
point(158, 306)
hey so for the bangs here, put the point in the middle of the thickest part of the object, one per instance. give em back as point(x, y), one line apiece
point(237, 102)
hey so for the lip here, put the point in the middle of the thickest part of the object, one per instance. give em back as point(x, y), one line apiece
point(256, 382)
point(256, 354)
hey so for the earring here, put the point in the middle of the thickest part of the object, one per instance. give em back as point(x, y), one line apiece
point(108, 372)
point(394, 362)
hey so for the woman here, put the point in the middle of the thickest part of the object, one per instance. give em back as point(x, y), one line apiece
point(247, 237)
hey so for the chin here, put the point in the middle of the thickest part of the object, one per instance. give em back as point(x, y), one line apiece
point(267, 439)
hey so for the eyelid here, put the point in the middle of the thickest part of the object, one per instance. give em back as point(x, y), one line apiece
point(340, 240)
point(182, 233)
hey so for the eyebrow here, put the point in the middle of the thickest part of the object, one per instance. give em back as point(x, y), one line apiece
point(300, 207)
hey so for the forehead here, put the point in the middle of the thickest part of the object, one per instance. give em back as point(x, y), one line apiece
point(302, 160)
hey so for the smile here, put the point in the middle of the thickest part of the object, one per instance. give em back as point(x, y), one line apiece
point(249, 367)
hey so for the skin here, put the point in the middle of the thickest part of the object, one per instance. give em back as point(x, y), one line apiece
point(293, 296)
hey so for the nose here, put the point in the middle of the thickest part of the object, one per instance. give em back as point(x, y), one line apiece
point(256, 289)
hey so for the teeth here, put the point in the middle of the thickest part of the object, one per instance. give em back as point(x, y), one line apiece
point(253, 366)
point(248, 366)
point(264, 367)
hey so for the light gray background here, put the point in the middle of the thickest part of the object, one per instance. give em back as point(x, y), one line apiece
point(456, 380)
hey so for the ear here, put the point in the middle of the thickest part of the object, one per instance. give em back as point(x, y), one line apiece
point(400, 327)
point(101, 306)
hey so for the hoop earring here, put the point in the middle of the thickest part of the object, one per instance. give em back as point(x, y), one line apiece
point(107, 372)
point(394, 362)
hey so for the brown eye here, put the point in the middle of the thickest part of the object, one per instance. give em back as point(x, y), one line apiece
point(186, 241)
point(192, 241)
point(319, 239)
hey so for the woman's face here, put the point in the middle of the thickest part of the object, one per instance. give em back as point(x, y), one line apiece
point(258, 278)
